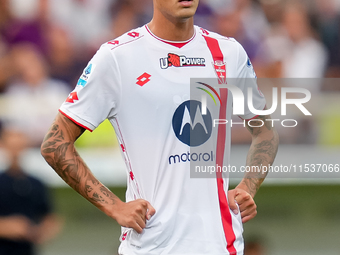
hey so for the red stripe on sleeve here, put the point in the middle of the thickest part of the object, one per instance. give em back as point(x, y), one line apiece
point(79, 124)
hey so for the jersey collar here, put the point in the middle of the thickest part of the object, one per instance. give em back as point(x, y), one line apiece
point(178, 44)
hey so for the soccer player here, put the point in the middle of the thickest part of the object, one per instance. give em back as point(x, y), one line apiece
point(141, 83)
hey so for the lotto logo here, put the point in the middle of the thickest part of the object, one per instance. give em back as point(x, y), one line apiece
point(72, 97)
point(115, 42)
point(143, 79)
point(133, 34)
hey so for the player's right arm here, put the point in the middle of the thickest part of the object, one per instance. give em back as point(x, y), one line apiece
point(60, 153)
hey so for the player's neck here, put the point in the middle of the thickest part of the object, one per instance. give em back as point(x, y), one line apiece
point(172, 30)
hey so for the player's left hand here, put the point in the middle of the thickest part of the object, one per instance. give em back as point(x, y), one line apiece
point(245, 202)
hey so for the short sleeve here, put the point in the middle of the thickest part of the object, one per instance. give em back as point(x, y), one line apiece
point(96, 95)
point(247, 79)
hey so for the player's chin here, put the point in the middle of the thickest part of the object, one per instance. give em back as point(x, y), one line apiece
point(186, 13)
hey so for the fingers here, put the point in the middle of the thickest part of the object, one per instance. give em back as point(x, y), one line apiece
point(134, 214)
point(144, 212)
point(232, 202)
point(247, 218)
point(150, 211)
point(141, 208)
point(245, 202)
point(140, 225)
point(248, 214)
point(247, 205)
point(136, 218)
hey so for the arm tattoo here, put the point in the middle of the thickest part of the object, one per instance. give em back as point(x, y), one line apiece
point(259, 121)
point(59, 151)
point(262, 152)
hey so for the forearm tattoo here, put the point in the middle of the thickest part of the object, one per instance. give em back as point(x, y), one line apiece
point(59, 151)
point(262, 152)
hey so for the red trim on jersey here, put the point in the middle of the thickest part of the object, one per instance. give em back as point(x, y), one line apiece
point(176, 44)
point(118, 45)
point(123, 148)
point(76, 122)
point(124, 236)
point(127, 161)
point(221, 140)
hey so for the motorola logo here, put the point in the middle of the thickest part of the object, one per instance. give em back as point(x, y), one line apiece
point(190, 126)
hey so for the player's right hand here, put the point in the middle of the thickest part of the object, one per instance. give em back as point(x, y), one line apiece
point(133, 214)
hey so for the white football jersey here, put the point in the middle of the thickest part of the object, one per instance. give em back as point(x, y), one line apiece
point(141, 83)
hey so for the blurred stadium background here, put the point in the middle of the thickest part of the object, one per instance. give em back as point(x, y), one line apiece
point(45, 44)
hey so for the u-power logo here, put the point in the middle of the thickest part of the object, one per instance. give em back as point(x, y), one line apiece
point(239, 103)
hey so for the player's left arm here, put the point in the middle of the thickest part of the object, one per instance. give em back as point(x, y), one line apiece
point(262, 152)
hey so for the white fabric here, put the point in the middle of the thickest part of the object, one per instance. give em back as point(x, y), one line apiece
point(188, 215)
